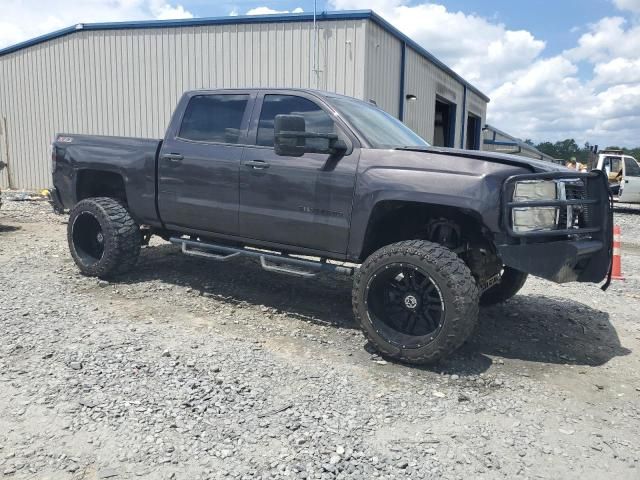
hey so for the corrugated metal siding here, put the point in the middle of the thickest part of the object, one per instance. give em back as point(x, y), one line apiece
point(477, 106)
point(383, 66)
point(425, 80)
point(127, 82)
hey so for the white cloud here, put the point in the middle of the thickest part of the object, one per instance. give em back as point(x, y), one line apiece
point(630, 5)
point(606, 39)
point(533, 95)
point(480, 50)
point(25, 19)
point(544, 101)
point(271, 11)
point(619, 71)
point(165, 11)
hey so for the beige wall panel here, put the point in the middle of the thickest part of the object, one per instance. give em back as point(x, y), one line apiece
point(383, 68)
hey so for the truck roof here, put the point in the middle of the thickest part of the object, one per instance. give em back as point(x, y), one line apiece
point(323, 93)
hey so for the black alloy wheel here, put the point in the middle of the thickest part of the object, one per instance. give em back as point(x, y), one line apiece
point(88, 238)
point(407, 304)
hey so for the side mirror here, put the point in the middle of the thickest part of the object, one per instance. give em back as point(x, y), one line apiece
point(290, 138)
point(289, 132)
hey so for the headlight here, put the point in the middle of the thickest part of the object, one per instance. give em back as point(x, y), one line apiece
point(532, 190)
point(531, 219)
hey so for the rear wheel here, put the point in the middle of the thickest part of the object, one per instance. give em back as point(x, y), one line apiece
point(511, 281)
point(416, 301)
point(103, 238)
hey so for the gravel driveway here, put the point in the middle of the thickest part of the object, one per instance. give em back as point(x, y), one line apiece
point(189, 369)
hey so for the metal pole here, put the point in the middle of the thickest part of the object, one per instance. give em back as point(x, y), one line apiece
point(315, 46)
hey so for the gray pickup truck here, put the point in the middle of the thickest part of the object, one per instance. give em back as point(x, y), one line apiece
point(308, 181)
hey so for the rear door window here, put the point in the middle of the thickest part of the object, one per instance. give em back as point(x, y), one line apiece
point(214, 118)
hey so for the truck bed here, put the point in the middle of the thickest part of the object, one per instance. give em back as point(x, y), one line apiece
point(131, 159)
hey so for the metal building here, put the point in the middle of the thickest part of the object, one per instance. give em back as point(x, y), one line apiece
point(126, 78)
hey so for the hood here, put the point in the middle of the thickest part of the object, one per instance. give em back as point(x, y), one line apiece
point(536, 166)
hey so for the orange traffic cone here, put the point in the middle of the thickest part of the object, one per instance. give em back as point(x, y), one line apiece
point(616, 270)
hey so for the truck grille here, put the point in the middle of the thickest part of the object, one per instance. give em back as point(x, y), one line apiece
point(576, 216)
point(581, 207)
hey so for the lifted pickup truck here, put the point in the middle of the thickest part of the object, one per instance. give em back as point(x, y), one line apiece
point(284, 175)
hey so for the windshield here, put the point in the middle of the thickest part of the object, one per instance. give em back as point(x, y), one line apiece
point(379, 129)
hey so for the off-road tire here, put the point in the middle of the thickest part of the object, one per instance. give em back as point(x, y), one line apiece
point(122, 237)
point(510, 284)
point(460, 296)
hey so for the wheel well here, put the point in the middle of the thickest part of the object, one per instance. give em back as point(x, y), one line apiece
point(98, 183)
point(394, 221)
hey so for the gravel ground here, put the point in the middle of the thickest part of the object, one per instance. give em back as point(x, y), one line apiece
point(187, 369)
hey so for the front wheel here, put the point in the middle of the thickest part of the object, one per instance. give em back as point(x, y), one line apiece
point(416, 301)
point(103, 238)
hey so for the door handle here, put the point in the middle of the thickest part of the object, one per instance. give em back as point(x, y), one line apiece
point(173, 157)
point(256, 164)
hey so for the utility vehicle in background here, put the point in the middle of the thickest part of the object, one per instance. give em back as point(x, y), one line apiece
point(623, 173)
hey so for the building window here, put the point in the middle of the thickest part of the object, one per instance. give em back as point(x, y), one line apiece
point(473, 132)
point(444, 123)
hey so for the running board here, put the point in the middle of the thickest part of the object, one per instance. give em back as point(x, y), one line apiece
point(272, 262)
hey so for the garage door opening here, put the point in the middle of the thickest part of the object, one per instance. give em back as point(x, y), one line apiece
point(445, 124)
point(473, 132)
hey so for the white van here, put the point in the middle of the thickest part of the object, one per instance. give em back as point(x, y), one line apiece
point(624, 175)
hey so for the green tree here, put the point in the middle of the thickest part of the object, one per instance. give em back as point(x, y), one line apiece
point(548, 148)
point(568, 148)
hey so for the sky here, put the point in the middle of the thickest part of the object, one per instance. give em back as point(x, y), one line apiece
point(553, 69)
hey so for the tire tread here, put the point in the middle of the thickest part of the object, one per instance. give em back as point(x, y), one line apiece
point(125, 234)
point(459, 280)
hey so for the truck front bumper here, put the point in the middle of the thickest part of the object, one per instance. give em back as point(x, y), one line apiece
point(580, 249)
point(561, 262)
